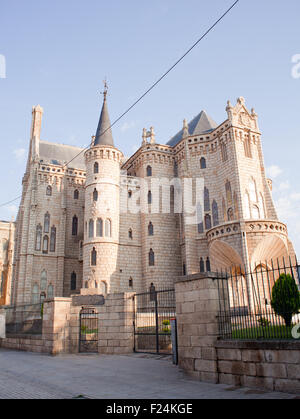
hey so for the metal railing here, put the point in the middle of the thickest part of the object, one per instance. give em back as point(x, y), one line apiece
point(24, 320)
point(247, 305)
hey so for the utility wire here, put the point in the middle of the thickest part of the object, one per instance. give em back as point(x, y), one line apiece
point(150, 88)
point(160, 79)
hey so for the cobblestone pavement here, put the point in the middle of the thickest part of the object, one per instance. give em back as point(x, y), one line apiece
point(27, 375)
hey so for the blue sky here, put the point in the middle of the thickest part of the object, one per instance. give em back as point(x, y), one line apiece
point(58, 52)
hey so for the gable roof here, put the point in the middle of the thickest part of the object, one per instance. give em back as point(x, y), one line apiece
point(201, 124)
point(59, 154)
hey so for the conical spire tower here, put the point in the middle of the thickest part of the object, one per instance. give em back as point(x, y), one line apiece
point(104, 134)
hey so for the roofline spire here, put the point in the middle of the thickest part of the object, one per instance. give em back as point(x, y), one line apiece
point(104, 135)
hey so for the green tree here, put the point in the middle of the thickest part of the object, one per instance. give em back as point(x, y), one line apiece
point(285, 298)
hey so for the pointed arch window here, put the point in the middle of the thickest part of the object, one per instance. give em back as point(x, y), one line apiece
point(206, 200)
point(130, 234)
point(247, 206)
point(95, 195)
point(151, 258)
point(96, 168)
point(224, 153)
point(35, 294)
point(45, 244)
point(94, 257)
point(208, 222)
point(108, 228)
point(99, 227)
point(130, 282)
point(230, 214)
point(255, 212)
point(247, 147)
point(53, 239)
point(50, 291)
point(215, 212)
point(91, 228)
point(43, 280)
point(201, 228)
point(228, 193)
point(208, 269)
point(73, 281)
point(262, 206)
point(150, 229)
point(149, 171)
point(202, 163)
point(76, 194)
point(202, 265)
point(149, 197)
point(74, 226)
point(252, 190)
point(38, 238)
point(49, 190)
point(47, 223)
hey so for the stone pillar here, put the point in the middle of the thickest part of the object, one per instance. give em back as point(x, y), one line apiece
point(116, 335)
point(56, 325)
point(197, 307)
point(2, 324)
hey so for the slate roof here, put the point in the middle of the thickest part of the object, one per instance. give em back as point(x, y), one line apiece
point(104, 134)
point(201, 124)
point(59, 154)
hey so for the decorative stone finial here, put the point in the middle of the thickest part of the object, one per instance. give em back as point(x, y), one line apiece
point(185, 129)
point(241, 100)
point(152, 136)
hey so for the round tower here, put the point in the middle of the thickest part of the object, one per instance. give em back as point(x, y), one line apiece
point(102, 197)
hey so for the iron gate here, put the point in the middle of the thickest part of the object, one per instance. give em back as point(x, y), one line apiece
point(152, 328)
point(88, 332)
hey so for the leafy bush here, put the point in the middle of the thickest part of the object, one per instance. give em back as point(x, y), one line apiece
point(166, 322)
point(285, 298)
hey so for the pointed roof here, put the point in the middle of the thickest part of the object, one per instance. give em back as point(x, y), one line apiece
point(104, 134)
point(201, 124)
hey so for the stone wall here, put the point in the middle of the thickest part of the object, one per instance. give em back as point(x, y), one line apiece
point(265, 365)
point(269, 365)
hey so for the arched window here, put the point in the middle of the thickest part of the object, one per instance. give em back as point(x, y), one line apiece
point(45, 244)
point(252, 190)
point(208, 222)
point(236, 206)
point(224, 152)
point(73, 281)
point(108, 228)
point(75, 226)
point(129, 194)
point(224, 210)
point(247, 206)
point(201, 228)
point(99, 227)
point(96, 168)
point(262, 206)
point(215, 213)
point(47, 223)
point(172, 199)
point(38, 238)
point(76, 194)
point(53, 239)
point(49, 190)
point(151, 258)
point(91, 228)
point(228, 193)
point(150, 229)
point(184, 269)
point(206, 200)
point(202, 266)
point(230, 214)
point(255, 212)
point(247, 147)
point(50, 292)
point(130, 283)
point(202, 163)
point(149, 171)
point(130, 235)
point(35, 294)
point(94, 257)
point(43, 280)
point(207, 265)
point(95, 195)
point(149, 197)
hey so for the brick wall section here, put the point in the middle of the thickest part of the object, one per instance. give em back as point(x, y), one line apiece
point(266, 365)
point(197, 306)
point(116, 324)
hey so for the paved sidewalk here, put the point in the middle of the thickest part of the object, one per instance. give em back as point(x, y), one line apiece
point(27, 375)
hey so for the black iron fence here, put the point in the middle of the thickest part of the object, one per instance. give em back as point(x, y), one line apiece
point(152, 324)
point(25, 319)
point(251, 306)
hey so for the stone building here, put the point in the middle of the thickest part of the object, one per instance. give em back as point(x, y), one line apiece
point(7, 230)
point(74, 234)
